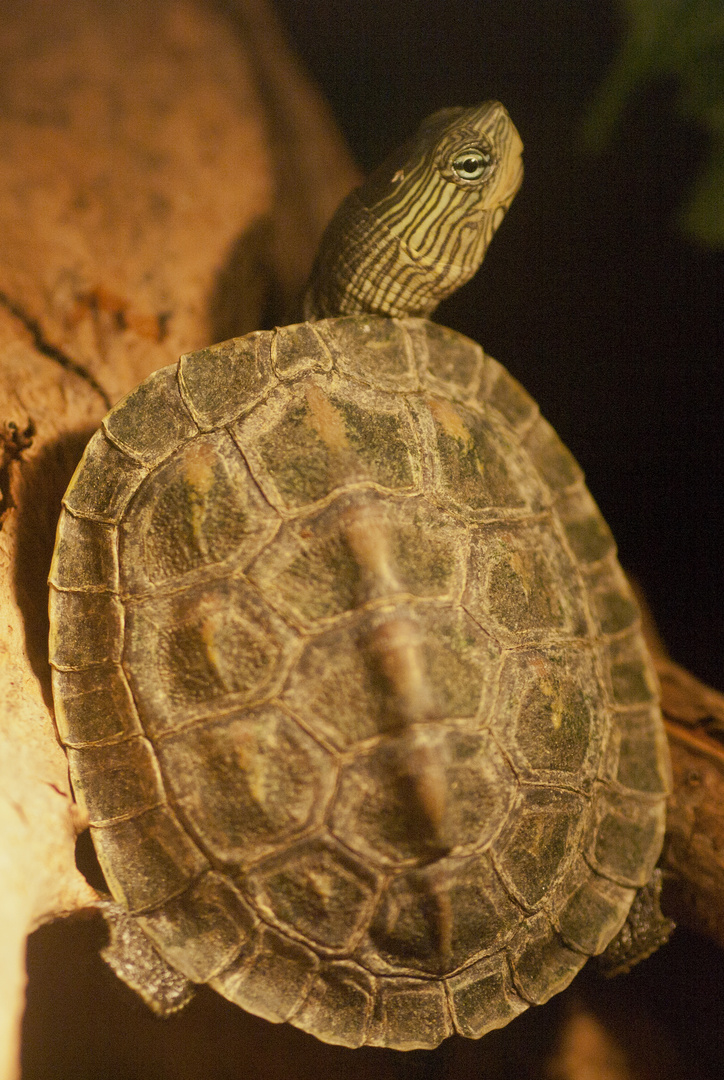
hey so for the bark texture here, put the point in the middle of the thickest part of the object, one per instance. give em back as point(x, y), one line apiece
point(693, 856)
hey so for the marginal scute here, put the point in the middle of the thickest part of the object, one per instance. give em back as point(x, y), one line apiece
point(482, 997)
point(197, 509)
point(152, 420)
point(85, 555)
point(554, 461)
point(628, 671)
point(638, 752)
point(93, 705)
point(222, 382)
point(378, 813)
point(454, 362)
point(373, 349)
point(410, 1014)
point(272, 982)
point(215, 644)
point(433, 919)
point(339, 1005)
point(613, 605)
point(85, 628)
point(587, 533)
point(247, 781)
point(592, 910)
point(317, 889)
point(319, 435)
point(202, 931)
point(542, 965)
point(103, 482)
point(299, 348)
point(539, 841)
point(626, 836)
point(116, 780)
point(147, 859)
point(514, 583)
point(508, 397)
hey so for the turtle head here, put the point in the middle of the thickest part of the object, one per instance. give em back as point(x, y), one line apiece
point(420, 225)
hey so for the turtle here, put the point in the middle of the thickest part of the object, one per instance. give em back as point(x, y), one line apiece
point(351, 683)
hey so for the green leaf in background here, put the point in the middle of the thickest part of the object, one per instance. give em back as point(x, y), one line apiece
point(683, 39)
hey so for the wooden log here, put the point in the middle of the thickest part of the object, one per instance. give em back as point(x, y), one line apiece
point(693, 856)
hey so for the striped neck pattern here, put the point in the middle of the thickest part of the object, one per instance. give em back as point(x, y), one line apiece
point(419, 227)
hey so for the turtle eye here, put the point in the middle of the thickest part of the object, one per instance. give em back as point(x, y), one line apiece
point(472, 163)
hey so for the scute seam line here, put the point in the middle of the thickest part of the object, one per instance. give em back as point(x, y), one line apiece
point(148, 909)
point(137, 458)
point(120, 819)
point(97, 590)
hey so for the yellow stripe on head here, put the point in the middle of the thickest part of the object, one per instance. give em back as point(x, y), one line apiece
point(419, 227)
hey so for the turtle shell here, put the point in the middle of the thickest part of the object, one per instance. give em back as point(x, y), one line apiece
point(288, 571)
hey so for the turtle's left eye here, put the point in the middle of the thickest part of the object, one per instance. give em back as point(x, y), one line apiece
point(472, 163)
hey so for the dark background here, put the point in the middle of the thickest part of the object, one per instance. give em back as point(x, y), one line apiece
point(589, 295)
